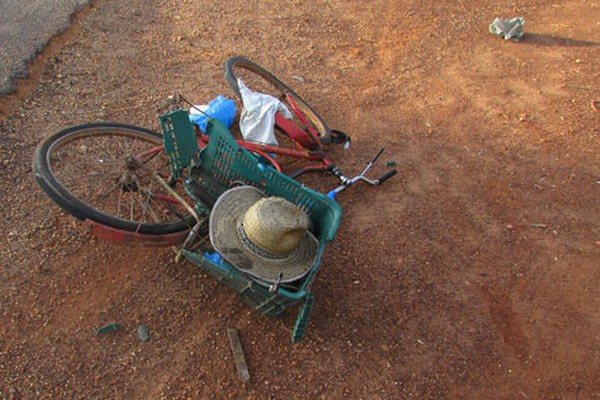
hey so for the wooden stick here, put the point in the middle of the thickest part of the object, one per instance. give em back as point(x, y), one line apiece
point(238, 354)
point(177, 197)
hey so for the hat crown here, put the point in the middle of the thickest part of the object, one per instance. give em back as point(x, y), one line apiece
point(275, 225)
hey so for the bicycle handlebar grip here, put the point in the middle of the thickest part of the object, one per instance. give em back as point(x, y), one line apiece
point(387, 176)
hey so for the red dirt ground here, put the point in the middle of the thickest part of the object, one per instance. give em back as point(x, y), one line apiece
point(473, 274)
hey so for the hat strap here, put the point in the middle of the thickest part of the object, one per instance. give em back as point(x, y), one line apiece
point(253, 246)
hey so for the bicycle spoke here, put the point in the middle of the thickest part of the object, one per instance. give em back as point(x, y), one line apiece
point(149, 158)
point(131, 204)
point(119, 203)
point(108, 176)
point(146, 205)
point(109, 191)
point(149, 200)
point(67, 174)
point(123, 149)
point(109, 154)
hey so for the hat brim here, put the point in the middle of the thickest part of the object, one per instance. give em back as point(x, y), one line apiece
point(224, 237)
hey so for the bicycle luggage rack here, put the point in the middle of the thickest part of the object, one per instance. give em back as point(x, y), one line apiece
point(213, 170)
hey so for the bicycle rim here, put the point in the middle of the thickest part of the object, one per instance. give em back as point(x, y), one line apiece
point(260, 80)
point(108, 173)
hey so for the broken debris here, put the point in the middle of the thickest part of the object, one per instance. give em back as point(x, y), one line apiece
point(143, 333)
point(238, 354)
point(508, 29)
point(112, 327)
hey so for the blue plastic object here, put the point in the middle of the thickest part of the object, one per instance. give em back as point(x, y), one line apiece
point(213, 257)
point(220, 108)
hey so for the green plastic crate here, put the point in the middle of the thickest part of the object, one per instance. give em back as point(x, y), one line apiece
point(179, 140)
point(222, 164)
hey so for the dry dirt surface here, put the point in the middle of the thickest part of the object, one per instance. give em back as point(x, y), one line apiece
point(472, 274)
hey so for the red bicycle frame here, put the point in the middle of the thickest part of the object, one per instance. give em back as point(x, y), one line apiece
point(307, 141)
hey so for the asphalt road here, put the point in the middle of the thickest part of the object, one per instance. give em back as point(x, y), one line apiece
point(26, 26)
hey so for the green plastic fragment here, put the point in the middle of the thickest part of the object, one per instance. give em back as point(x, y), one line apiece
point(179, 139)
point(303, 316)
point(112, 327)
point(390, 163)
point(143, 333)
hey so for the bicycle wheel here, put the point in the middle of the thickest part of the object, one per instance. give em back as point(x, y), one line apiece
point(260, 80)
point(106, 172)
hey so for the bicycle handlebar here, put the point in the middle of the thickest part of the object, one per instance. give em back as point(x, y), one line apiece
point(361, 177)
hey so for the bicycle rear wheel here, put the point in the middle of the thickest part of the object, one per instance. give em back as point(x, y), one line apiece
point(260, 80)
point(106, 172)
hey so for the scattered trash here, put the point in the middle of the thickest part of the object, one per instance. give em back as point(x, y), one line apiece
point(596, 105)
point(238, 354)
point(112, 327)
point(541, 226)
point(390, 163)
point(257, 121)
point(508, 29)
point(143, 333)
point(220, 108)
point(298, 78)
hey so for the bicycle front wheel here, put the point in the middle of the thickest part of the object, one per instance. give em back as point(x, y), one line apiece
point(260, 80)
point(107, 172)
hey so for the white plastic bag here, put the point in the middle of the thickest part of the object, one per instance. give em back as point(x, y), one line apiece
point(257, 121)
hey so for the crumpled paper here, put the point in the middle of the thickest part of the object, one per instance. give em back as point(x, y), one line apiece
point(508, 29)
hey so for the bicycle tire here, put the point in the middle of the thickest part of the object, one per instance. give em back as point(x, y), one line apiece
point(231, 76)
point(67, 186)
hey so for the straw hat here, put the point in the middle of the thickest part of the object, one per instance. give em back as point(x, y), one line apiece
point(262, 236)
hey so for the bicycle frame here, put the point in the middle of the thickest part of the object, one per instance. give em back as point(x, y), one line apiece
point(308, 145)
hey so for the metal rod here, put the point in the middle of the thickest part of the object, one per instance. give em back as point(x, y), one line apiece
point(177, 197)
